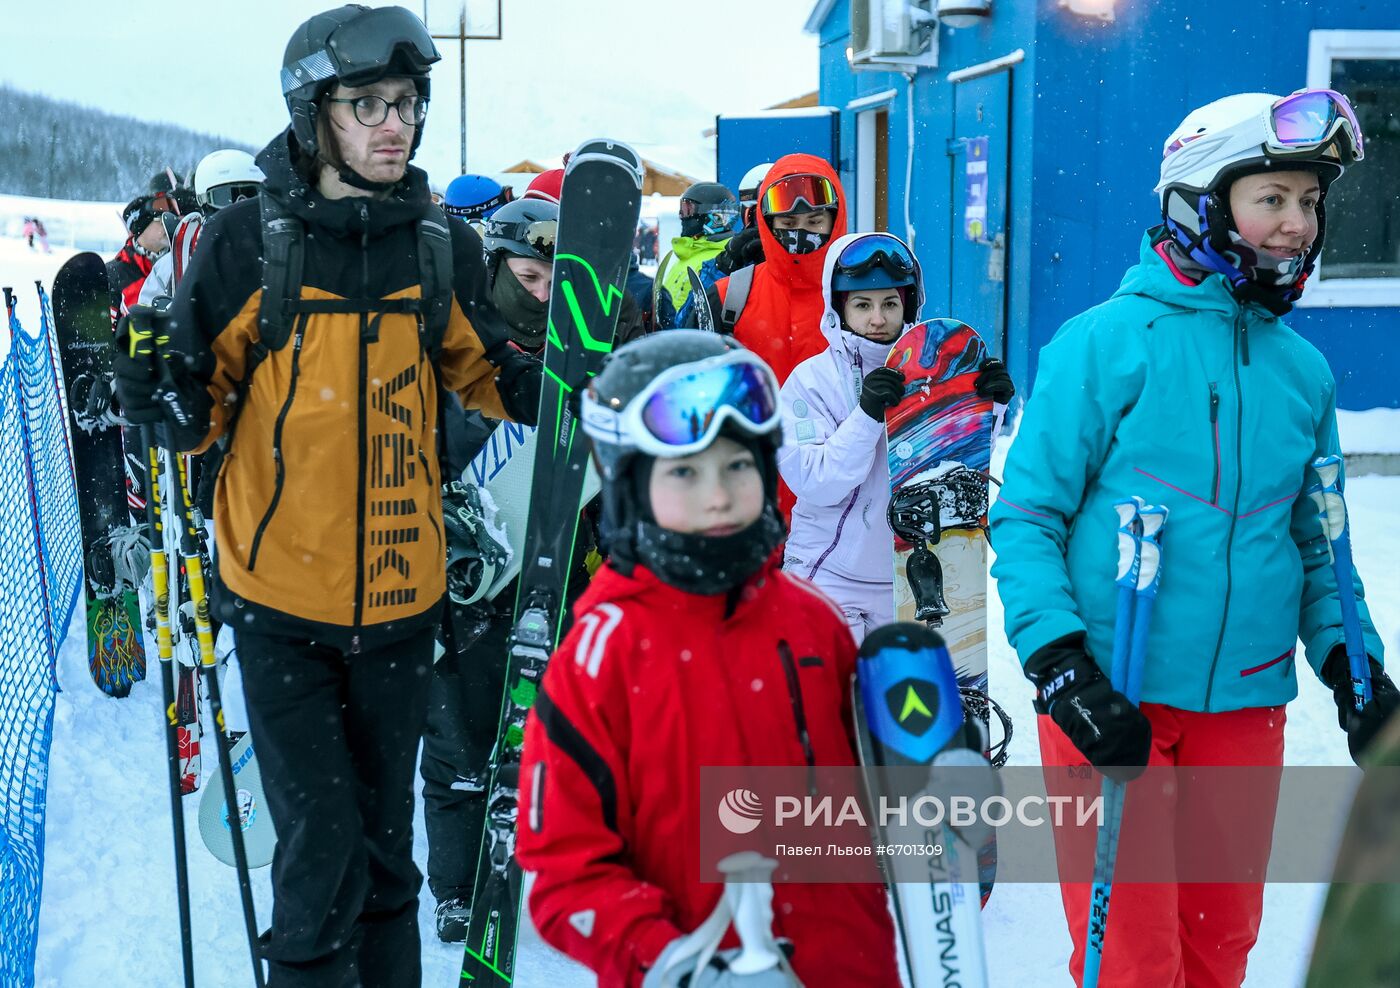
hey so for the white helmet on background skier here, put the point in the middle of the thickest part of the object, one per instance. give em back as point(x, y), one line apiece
point(750, 183)
point(671, 395)
point(223, 177)
point(1248, 133)
point(354, 45)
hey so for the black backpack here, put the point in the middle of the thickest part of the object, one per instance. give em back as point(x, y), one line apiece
point(284, 254)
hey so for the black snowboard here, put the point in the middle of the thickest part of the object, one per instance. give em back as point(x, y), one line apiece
point(113, 553)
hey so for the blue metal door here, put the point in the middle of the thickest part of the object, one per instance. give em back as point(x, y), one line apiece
point(979, 232)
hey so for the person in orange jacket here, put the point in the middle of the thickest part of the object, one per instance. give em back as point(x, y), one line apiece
point(685, 652)
point(777, 306)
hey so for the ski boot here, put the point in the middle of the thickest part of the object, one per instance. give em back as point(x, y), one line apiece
point(453, 918)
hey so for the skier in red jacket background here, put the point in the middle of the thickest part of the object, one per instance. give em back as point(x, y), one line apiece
point(682, 655)
point(781, 317)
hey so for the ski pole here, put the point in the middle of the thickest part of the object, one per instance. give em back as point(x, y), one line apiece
point(160, 585)
point(1139, 574)
point(145, 343)
point(204, 634)
point(1332, 512)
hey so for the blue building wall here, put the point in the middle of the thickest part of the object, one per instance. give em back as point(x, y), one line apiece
point(1090, 105)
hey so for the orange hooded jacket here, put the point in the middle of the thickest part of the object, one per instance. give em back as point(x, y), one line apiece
point(781, 321)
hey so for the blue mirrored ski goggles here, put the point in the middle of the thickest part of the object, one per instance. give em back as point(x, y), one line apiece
point(877, 250)
point(682, 411)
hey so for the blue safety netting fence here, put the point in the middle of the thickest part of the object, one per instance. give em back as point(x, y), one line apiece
point(40, 576)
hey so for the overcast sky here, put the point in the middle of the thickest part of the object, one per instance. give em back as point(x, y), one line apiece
point(651, 72)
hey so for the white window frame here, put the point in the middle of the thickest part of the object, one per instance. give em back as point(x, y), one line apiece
point(1323, 47)
point(865, 109)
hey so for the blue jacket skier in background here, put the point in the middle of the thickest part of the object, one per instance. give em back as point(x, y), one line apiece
point(1187, 388)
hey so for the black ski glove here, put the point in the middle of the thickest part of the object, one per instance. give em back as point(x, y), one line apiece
point(740, 250)
point(135, 380)
point(1113, 734)
point(156, 389)
point(1361, 727)
point(883, 388)
point(994, 382)
point(518, 382)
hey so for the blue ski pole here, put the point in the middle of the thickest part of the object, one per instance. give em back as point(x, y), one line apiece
point(1139, 573)
point(1332, 512)
point(1106, 849)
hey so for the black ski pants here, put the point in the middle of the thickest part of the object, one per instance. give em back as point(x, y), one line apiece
point(337, 736)
point(464, 707)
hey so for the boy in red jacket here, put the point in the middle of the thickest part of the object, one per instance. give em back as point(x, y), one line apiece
point(682, 655)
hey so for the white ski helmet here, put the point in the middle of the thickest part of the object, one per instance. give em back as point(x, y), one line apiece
point(1310, 129)
point(749, 184)
point(1315, 127)
point(228, 167)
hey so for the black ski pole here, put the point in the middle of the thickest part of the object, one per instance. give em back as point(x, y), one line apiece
point(204, 634)
point(160, 584)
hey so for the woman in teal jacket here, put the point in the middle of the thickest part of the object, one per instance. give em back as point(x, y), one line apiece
point(1186, 388)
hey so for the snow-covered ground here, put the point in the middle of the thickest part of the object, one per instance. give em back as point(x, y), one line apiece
point(82, 225)
point(109, 916)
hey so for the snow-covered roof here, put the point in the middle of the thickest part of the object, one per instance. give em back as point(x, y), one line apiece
point(818, 16)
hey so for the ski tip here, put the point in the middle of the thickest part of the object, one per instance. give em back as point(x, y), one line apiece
point(909, 691)
point(607, 149)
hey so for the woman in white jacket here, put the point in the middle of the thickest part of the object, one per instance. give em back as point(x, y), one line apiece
point(834, 404)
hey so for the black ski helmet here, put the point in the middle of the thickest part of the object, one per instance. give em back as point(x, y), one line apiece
point(629, 369)
point(694, 562)
point(354, 45)
point(709, 209)
point(520, 228)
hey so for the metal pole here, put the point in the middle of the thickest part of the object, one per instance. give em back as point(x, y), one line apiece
point(464, 89)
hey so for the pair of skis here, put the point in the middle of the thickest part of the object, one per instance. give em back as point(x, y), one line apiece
point(599, 206)
point(1140, 527)
point(909, 713)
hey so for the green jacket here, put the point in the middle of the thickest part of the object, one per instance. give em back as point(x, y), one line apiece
point(672, 286)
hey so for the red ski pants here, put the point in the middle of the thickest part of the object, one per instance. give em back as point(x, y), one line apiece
point(1189, 935)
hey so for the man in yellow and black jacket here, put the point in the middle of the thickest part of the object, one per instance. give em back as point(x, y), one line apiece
point(328, 519)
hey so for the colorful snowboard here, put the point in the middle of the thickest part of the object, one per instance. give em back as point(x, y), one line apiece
point(114, 557)
point(940, 447)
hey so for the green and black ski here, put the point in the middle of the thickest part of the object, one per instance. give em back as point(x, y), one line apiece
point(598, 211)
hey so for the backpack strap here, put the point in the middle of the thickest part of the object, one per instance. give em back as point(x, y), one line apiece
point(736, 295)
point(435, 278)
point(284, 254)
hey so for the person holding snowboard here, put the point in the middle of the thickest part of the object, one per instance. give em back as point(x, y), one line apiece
point(313, 326)
point(834, 404)
point(684, 652)
point(1188, 389)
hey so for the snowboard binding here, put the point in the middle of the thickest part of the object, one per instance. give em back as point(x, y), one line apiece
point(474, 555)
point(919, 513)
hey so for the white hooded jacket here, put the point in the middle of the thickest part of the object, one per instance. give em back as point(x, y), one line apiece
point(833, 457)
